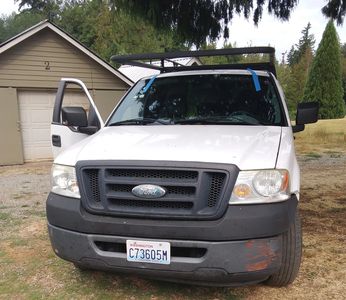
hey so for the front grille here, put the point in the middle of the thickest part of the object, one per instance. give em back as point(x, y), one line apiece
point(192, 190)
point(157, 174)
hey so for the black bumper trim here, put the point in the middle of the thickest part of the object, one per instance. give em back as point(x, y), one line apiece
point(238, 223)
point(225, 263)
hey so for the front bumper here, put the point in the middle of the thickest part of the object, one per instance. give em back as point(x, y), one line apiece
point(223, 263)
point(239, 222)
point(243, 246)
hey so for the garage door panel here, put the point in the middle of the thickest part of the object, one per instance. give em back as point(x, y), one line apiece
point(32, 99)
point(40, 116)
point(36, 109)
point(35, 136)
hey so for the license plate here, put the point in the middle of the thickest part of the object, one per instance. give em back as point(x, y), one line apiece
point(149, 252)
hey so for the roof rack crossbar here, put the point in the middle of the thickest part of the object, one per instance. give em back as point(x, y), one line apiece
point(245, 66)
point(137, 59)
point(145, 65)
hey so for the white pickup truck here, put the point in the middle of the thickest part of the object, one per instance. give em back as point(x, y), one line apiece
point(193, 177)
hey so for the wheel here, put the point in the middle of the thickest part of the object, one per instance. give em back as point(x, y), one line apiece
point(291, 256)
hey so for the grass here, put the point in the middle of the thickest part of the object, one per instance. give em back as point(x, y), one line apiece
point(323, 136)
point(313, 155)
point(30, 270)
point(4, 216)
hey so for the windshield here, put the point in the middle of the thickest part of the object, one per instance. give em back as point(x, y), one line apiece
point(200, 99)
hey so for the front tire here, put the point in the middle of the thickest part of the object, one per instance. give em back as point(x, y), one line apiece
point(291, 256)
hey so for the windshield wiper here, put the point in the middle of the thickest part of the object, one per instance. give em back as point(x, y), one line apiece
point(197, 121)
point(245, 122)
point(139, 121)
point(213, 121)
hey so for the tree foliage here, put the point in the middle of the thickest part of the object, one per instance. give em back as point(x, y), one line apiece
point(47, 8)
point(335, 9)
point(306, 42)
point(343, 66)
point(200, 20)
point(324, 81)
point(95, 24)
point(296, 81)
point(16, 23)
point(293, 76)
point(110, 32)
point(194, 21)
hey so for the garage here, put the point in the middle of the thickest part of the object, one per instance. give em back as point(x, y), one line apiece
point(31, 66)
point(35, 112)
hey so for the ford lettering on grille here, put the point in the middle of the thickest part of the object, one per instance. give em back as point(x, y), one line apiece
point(148, 191)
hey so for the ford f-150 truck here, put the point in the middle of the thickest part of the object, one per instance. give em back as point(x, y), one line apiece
point(192, 178)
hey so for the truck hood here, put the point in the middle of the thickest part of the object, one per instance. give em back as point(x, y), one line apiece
point(248, 147)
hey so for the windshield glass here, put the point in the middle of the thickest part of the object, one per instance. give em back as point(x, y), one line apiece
point(200, 99)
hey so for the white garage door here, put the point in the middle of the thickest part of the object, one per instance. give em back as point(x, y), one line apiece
point(36, 109)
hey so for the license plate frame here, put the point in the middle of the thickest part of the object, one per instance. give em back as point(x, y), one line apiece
point(154, 252)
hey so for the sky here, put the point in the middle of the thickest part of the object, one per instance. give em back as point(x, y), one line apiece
point(270, 31)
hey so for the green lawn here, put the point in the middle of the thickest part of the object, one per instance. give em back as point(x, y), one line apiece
point(325, 136)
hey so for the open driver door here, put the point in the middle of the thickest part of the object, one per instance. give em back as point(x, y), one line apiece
point(72, 124)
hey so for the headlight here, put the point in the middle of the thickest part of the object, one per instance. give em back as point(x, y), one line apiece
point(263, 186)
point(64, 181)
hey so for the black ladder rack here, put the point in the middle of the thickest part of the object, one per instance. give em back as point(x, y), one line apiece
point(138, 59)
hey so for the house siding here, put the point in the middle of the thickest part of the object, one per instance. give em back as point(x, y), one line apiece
point(11, 150)
point(44, 58)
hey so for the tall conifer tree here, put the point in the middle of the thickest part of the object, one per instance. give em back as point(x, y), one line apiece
point(324, 82)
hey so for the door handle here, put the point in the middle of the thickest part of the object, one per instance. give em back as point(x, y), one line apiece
point(56, 140)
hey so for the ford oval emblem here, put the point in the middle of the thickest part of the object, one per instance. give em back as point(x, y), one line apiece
point(148, 191)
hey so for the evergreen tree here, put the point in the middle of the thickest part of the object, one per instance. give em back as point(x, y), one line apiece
point(307, 41)
point(16, 23)
point(110, 32)
point(296, 81)
point(291, 56)
point(48, 8)
point(343, 66)
point(294, 76)
point(217, 60)
point(324, 81)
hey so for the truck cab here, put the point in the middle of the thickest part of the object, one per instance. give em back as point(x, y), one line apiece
point(192, 178)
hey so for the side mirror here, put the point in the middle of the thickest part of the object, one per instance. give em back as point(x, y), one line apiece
point(77, 117)
point(306, 113)
point(74, 116)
